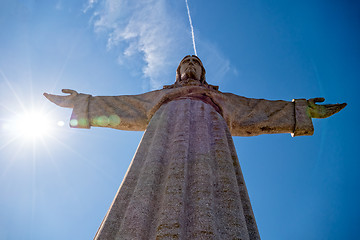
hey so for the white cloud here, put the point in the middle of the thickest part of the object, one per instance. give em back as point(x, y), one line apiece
point(150, 32)
point(145, 28)
point(89, 5)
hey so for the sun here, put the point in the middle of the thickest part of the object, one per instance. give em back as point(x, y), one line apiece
point(33, 124)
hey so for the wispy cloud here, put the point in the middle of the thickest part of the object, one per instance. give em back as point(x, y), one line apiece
point(89, 5)
point(218, 66)
point(152, 32)
point(146, 28)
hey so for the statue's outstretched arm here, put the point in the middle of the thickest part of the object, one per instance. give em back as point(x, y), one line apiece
point(67, 101)
point(251, 117)
point(125, 112)
point(322, 111)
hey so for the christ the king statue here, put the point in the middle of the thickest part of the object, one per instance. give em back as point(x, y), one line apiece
point(185, 181)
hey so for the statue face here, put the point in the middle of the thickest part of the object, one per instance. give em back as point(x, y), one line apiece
point(190, 69)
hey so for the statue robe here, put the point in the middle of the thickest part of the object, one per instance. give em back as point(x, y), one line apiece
point(185, 181)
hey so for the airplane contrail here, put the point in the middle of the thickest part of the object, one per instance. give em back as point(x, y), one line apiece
point(191, 26)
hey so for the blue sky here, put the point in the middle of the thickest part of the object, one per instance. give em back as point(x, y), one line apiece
point(59, 185)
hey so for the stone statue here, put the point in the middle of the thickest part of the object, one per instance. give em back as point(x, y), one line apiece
point(185, 181)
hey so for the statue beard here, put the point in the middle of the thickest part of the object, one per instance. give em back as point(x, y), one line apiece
point(189, 79)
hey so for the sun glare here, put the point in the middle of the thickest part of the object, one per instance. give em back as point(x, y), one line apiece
point(31, 125)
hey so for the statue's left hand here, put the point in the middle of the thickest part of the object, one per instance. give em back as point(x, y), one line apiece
point(67, 101)
point(323, 111)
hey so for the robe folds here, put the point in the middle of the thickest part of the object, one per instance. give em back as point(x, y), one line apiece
point(185, 181)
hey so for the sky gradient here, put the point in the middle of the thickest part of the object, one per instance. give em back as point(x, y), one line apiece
point(59, 185)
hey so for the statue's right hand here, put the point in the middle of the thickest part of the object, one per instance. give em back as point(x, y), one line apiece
point(67, 101)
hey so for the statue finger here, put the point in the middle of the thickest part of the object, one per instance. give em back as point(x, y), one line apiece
point(320, 99)
point(342, 105)
point(331, 109)
point(72, 92)
point(49, 96)
point(312, 101)
point(58, 100)
point(337, 105)
point(52, 98)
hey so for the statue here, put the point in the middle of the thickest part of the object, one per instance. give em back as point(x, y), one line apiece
point(185, 181)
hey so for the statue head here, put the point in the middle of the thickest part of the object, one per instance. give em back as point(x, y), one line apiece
point(190, 71)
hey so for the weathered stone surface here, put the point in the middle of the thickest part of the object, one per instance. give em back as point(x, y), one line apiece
point(184, 182)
